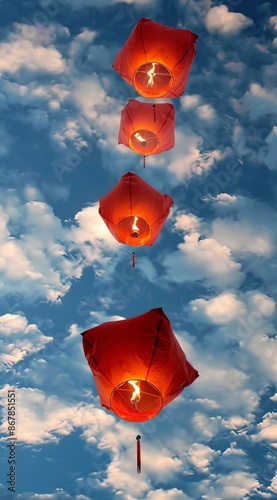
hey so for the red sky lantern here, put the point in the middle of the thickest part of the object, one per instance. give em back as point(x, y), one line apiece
point(137, 364)
point(147, 128)
point(134, 211)
point(156, 59)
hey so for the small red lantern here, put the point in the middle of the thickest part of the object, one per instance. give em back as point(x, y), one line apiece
point(134, 211)
point(137, 364)
point(156, 59)
point(147, 128)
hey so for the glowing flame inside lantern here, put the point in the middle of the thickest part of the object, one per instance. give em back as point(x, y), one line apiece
point(135, 228)
point(140, 139)
point(136, 394)
point(151, 73)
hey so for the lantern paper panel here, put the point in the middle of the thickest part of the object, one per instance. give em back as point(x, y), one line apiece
point(156, 59)
point(137, 364)
point(147, 128)
point(134, 211)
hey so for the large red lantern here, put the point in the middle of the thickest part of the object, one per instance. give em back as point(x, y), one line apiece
point(156, 59)
point(134, 211)
point(137, 364)
point(147, 128)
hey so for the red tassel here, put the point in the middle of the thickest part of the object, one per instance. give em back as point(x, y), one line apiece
point(133, 259)
point(154, 106)
point(138, 454)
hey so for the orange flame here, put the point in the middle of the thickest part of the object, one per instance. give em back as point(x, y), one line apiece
point(136, 394)
point(138, 137)
point(151, 73)
point(134, 225)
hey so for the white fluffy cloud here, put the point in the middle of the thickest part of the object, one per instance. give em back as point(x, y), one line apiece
point(186, 222)
point(201, 456)
point(97, 114)
point(242, 237)
point(221, 20)
point(234, 485)
point(59, 494)
point(273, 486)
point(202, 259)
point(186, 159)
point(219, 310)
point(45, 418)
point(267, 430)
point(19, 339)
point(242, 232)
point(259, 101)
point(206, 112)
point(273, 22)
point(263, 352)
point(88, 94)
point(173, 494)
point(19, 53)
point(40, 256)
point(160, 465)
point(51, 96)
point(268, 154)
point(190, 101)
point(248, 324)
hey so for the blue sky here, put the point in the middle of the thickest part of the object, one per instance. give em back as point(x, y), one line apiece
point(213, 269)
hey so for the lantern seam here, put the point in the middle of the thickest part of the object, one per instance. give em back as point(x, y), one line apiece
point(143, 43)
point(169, 113)
point(155, 222)
point(106, 218)
point(130, 120)
point(185, 53)
point(155, 348)
point(96, 362)
point(184, 384)
point(130, 193)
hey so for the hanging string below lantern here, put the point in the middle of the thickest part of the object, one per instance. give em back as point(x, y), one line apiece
point(138, 455)
point(133, 259)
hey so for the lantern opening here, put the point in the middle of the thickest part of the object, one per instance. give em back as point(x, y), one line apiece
point(133, 231)
point(126, 405)
point(144, 142)
point(153, 79)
